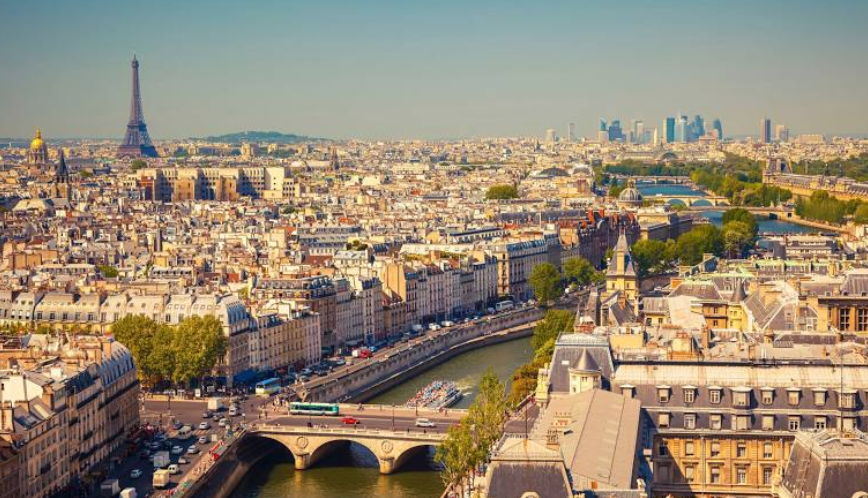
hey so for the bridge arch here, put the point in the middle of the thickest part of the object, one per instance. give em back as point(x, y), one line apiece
point(409, 452)
point(703, 202)
point(677, 202)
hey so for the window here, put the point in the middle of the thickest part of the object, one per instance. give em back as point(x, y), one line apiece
point(768, 422)
point(689, 472)
point(819, 398)
point(794, 422)
point(849, 423)
point(662, 449)
point(714, 474)
point(862, 320)
point(689, 395)
point(688, 448)
point(741, 398)
point(847, 400)
point(768, 396)
point(627, 391)
point(820, 423)
point(716, 422)
point(715, 449)
point(663, 394)
point(767, 475)
point(741, 475)
point(690, 421)
point(714, 395)
point(768, 450)
point(793, 397)
point(662, 474)
point(663, 420)
point(844, 319)
point(741, 449)
point(742, 423)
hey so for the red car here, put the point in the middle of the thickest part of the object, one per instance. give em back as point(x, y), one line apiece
point(350, 421)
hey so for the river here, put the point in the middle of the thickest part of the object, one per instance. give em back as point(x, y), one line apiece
point(354, 473)
point(766, 225)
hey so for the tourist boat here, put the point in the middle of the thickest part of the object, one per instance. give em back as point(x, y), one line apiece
point(436, 395)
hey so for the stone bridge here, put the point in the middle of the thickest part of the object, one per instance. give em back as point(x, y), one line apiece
point(310, 444)
point(690, 200)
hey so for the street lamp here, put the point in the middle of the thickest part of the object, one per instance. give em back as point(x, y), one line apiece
point(393, 418)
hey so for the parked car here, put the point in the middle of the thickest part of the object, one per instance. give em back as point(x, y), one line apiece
point(174, 469)
point(207, 414)
point(192, 450)
point(204, 426)
point(182, 461)
point(135, 474)
point(350, 421)
point(203, 440)
point(177, 450)
point(224, 422)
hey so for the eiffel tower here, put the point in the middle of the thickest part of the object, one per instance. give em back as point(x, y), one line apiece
point(137, 142)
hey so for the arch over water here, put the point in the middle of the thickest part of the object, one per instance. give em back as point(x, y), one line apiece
point(702, 202)
point(411, 452)
point(677, 202)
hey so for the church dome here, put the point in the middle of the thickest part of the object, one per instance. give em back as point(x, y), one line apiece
point(630, 194)
point(37, 143)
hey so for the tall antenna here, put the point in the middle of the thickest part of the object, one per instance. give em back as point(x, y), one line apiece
point(137, 142)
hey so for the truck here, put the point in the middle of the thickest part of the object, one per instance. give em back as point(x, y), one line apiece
point(216, 404)
point(161, 459)
point(362, 353)
point(109, 488)
point(129, 493)
point(162, 478)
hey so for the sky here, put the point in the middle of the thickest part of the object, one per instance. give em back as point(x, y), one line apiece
point(402, 69)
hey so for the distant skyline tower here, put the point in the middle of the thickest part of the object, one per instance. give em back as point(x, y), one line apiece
point(571, 132)
point(766, 130)
point(137, 142)
point(669, 130)
point(681, 129)
point(718, 126)
point(551, 136)
point(782, 133)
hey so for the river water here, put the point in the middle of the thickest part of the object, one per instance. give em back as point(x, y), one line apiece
point(766, 225)
point(353, 473)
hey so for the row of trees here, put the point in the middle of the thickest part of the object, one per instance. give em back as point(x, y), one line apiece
point(739, 232)
point(177, 354)
point(468, 444)
point(548, 283)
point(546, 332)
point(823, 207)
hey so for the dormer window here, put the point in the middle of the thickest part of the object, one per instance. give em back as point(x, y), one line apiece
point(741, 396)
point(689, 394)
point(819, 397)
point(663, 394)
point(715, 394)
point(794, 395)
point(768, 395)
point(627, 390)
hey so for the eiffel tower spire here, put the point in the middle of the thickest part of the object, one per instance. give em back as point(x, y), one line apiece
point(137, 142)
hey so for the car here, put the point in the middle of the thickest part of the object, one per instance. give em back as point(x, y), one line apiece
point(177, 425)
point(182, 461)
point(160, 437)
point(174, 469)
point(177, 450)
point(306, 372)
point(424, 422)
point(350, 421)
point(155, 445)
point(135, 474)
point(204, 426)
point(340, 362)
point(304, 378)
point(192, 450)
point(207, 415)
point(224, 422)
point(203, 440)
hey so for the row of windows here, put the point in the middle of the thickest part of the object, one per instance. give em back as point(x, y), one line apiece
point(714, 474)
point(744, 422)
point(742, 397)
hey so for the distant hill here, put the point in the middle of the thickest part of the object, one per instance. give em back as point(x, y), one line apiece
point(262, 137)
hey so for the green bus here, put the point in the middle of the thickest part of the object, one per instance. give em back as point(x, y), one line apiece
point(299, 408)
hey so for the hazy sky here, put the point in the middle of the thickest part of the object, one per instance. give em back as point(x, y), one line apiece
point(439, 69)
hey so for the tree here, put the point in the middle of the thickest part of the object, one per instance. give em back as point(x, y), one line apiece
point(580, 271)
point(546, 283)
point(199, 343)
point(744, 216)
point(737, 237)
point(652, 256)
point(108, 271)
point(861, 214)
point(137, 332)
point(698, 241)
point(550, 327)
point(138, 164)
point(455, 454)
point(488, 413)
point(502, 191)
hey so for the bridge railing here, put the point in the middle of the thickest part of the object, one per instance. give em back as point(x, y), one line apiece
point(386, 434)
point(403, 409)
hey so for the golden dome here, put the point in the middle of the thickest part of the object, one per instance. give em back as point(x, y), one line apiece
point(37, 143)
